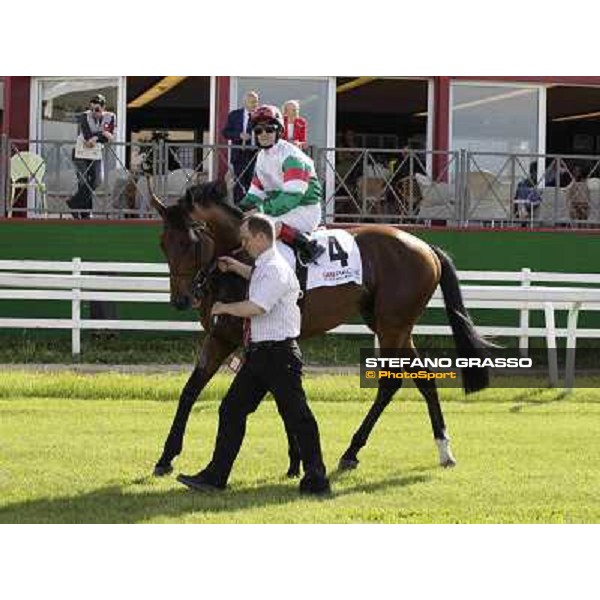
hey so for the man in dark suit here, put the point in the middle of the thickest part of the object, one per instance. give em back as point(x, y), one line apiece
point(238, 131)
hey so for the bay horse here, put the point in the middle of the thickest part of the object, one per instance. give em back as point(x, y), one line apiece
point(400, 274)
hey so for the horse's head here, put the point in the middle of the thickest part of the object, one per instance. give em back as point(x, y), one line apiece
point(201, 226)
point(207, 204)
point(188, 250)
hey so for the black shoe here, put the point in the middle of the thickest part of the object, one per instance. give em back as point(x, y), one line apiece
point(316, 485)
point(310, 252)
point(201, 482)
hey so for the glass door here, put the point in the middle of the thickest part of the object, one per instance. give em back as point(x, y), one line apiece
point(55, 104)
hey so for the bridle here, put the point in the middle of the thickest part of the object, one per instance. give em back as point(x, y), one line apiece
point(201, 280)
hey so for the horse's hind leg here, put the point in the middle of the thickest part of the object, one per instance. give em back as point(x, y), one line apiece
point(428, 390)
point(385, 393)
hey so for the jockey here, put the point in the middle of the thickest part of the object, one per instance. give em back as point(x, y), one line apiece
point(285, 185)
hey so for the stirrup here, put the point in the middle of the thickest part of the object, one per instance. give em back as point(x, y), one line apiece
point(316, 250)
point(301, 261)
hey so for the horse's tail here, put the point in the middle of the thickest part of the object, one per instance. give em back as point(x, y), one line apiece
point(469, 344)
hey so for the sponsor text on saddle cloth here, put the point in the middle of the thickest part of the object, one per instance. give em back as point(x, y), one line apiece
point(340, 264)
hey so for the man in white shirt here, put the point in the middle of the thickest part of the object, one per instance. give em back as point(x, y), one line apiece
point(273, 362)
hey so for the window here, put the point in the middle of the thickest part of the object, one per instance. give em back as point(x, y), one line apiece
point(63, 99)
point(56, 103)
point(310, 93)
point(494, 118)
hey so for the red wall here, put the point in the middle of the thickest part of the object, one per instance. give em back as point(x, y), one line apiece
point(16, 107)
point(222, 112)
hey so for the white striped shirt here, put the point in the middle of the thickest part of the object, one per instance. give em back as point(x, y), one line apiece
point(275, 288)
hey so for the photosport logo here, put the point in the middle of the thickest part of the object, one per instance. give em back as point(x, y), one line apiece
point(507, 368)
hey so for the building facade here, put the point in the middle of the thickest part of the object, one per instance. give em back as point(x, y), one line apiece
point(492, 114)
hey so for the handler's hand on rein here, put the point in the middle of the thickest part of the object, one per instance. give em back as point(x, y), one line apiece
point(218, 308)
point(227, 264)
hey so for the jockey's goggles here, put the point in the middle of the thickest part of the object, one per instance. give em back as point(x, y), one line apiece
point(265, 129)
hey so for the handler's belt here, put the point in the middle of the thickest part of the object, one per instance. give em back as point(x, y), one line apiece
point(272, 345)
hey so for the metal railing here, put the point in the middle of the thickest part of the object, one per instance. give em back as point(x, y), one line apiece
point(458, 188)
point(114, 188)
point(390, 185)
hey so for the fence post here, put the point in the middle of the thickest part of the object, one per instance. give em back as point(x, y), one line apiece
point(76, 310)
point(551, 343)
point(557, 190)
point(160, 170)
point(512, 193)
point(364, 182)
point(571, 344)
point(463, 188)
point(4, 173)
point(524, 315)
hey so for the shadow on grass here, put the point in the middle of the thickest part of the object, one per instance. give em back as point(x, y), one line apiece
point(121, 504)
point(529, 398)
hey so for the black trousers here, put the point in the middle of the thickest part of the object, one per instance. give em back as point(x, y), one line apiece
point(279, 371)
point(89, 177)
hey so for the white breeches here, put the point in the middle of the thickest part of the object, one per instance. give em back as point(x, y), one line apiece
point(303, 218)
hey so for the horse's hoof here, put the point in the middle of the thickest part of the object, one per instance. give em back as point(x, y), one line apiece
point(449, 463)
point(293, 473)
point(162, 470)
point(347, 464)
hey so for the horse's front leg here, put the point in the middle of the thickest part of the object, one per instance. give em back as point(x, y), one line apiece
point(212, 354)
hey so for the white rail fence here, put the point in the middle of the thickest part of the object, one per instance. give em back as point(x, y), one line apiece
point(76, 281)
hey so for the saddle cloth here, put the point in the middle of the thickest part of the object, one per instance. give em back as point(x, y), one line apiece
point(339, 264)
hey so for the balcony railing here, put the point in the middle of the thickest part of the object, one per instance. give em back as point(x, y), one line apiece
point(414, 187)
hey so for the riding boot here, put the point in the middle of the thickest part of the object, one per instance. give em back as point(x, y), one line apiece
point(308, 250)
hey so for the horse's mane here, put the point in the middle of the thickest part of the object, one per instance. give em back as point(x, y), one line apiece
point(211, 193)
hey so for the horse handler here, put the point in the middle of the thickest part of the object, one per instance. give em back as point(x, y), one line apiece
point(273, 362)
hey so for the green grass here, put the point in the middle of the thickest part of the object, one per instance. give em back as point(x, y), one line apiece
point(51, 347)
point(129, 348)
point(80, 448)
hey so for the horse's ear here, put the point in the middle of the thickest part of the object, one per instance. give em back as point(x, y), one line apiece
point(216, 190)
point(160, 208)
point(158, 205)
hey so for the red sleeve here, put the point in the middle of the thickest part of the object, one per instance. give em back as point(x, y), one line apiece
point(300, 130)
point(284, 135)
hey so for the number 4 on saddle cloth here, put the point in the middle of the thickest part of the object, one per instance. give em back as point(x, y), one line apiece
point(340, 264)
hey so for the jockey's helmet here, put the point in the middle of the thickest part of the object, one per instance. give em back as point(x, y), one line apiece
point(267, 113)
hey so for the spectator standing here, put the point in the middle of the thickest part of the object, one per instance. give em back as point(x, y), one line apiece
point(96, 126)
point(238, 131)
point(295, 126)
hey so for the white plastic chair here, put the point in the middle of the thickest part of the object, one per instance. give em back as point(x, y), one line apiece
point(489, 199)
point(29, 166)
